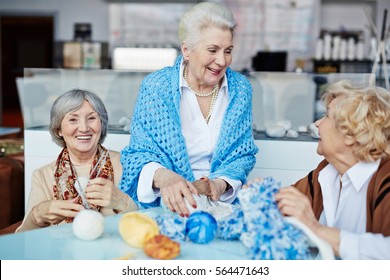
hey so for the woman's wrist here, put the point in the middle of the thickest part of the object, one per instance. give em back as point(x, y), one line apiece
point(123, 204)
point(36, 218)
point(330, 235)
point(157, 177)
point(224, 186)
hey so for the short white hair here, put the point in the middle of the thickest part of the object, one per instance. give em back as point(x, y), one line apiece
point(203, 15)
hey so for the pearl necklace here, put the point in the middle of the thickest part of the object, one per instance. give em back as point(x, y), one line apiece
point(213, 93)
point(212, 104)
point(216, 87)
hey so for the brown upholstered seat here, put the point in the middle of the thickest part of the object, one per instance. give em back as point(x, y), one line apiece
point(11, 191)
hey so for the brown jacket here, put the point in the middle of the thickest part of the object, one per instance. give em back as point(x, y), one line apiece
point(378, 196)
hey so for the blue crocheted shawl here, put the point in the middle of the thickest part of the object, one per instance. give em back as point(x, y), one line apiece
point(156, 134)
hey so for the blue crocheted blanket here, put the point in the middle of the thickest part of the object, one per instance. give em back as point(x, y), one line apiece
point(255, 221)
point(156, 134)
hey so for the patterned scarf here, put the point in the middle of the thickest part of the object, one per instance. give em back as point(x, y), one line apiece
point(65, 177)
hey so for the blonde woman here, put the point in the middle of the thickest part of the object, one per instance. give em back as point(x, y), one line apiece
point(346, 199)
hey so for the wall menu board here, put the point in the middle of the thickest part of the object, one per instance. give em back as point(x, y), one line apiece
point(145, 24)
point(275, 25)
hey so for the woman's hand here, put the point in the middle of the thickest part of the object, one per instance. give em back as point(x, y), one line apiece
point(291, 202)
point(215, 188)
point(102, 192)
point(174, 189)
point(52, 212)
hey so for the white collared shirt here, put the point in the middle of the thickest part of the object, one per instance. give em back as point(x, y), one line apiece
point(345, 208)
point(200, 137)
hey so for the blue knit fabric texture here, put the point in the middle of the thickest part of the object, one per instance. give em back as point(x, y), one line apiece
point(255, 221)
point(232, 226)
point(264, 231)
point(172, 226)
point(156, 134)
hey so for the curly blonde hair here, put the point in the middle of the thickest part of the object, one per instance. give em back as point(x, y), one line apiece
point(364, 114)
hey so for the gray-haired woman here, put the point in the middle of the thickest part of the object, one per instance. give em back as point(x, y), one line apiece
point(192, 121)
point(85, 174)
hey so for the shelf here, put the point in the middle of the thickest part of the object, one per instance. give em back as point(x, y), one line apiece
point(342, 66)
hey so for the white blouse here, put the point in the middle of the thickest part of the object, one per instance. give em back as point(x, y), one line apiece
point(201, 139)
point(345, 209)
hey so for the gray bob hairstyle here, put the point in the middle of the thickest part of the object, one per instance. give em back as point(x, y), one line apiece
point(71, 101)
point(201, 16)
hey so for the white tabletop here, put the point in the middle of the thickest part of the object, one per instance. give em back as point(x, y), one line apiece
point(59, 243)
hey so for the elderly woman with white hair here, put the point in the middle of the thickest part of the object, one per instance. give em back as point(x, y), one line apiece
point(85, 174)
point(192, 121)
point(346, 199)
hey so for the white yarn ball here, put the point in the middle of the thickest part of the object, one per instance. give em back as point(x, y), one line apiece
point(88, 224)
point(201, 203)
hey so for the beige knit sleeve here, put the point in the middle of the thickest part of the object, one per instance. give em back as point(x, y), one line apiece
point(41, 190)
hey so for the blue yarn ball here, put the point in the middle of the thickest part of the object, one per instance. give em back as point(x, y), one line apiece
point(201, 227)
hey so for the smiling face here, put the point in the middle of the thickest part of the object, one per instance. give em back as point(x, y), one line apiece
point(81, 131)
point(208, 61)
